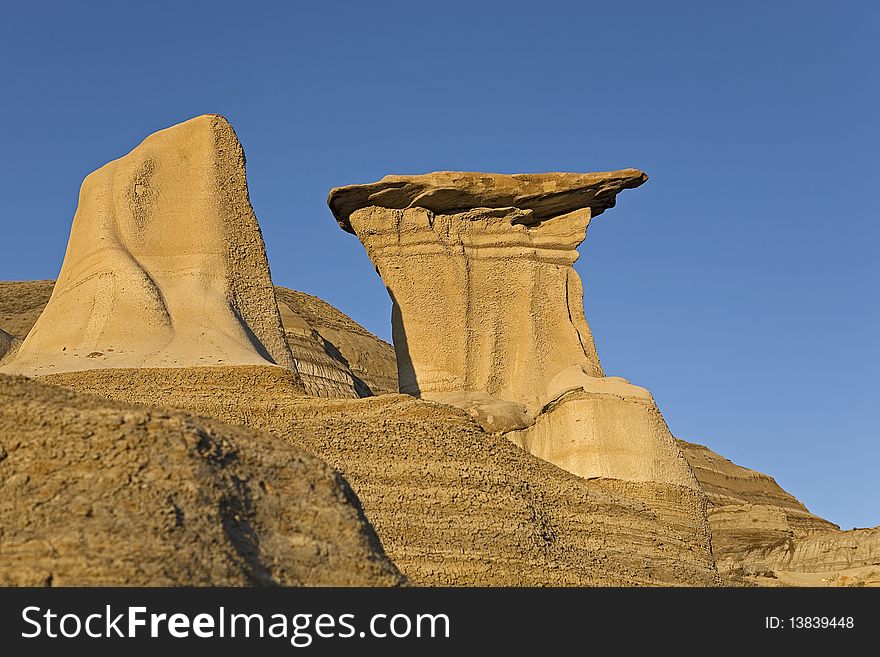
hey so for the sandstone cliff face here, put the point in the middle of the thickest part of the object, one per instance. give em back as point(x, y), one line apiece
point(165, 266)
point(762, 534)
point(95, 492)
point(451, 504)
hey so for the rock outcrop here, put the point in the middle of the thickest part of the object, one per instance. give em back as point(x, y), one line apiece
point(833, 558)
point(8, 344)
point(763, 535)
point(488, 313)
point(165, 266)
point(336, 357)
point(96, 492)
point(21, 303)
point(451, 504)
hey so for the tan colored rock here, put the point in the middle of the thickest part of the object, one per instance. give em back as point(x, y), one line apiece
point(8, 344)
point(733, 489)
point(831, 558)
point(21, 303)
point(488, 313)
point(335, 355)
point(606, 435)
point(763, 535)
point(451, 504)
point(96, 492)
point(165, 266)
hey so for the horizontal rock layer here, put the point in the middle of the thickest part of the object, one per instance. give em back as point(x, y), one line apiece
point(335, 355)
point(542, 195)
point(763, 535)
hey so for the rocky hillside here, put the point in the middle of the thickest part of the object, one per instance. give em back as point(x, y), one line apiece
point(451, 504)
point(761, 534)
point(336, 356)
point(97, 492)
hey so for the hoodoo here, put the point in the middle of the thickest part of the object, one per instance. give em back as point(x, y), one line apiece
point(488, 313)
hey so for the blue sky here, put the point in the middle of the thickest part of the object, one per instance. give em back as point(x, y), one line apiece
point(740, 284)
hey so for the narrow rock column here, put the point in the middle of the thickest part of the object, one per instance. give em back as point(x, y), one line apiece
point(482, 300)
point(488, 313)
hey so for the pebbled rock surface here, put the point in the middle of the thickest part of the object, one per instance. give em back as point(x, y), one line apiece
point(97, 492)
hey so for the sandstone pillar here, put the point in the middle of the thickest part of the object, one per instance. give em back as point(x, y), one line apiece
point(488, 313)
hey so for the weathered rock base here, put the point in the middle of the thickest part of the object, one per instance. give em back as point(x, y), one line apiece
point(95, 492)
point(451, 504)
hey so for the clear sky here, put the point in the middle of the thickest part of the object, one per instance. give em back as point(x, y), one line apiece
point(740, 284)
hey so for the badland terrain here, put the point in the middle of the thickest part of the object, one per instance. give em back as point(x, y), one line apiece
point(169, 416)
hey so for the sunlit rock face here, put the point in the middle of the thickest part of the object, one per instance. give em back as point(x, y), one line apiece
point(488, 313)
point(165, 266)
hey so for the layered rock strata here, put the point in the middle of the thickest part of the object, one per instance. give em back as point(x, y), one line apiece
point(762, 534)
point(8, 343)
point(451, 504)
point(336, 356)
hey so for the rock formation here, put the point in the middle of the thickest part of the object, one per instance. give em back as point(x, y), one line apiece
point(165, 266)
point(8, 344)
point(165, 300)
point(451, 504)
point(488, 313)
point(763, 535)
point(335, 356)
point(96, 492)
